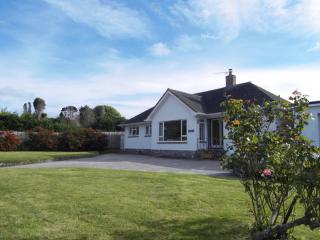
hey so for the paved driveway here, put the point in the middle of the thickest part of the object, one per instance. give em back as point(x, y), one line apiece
point(138, 163)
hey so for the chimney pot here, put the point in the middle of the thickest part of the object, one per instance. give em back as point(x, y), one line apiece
point(230, 79)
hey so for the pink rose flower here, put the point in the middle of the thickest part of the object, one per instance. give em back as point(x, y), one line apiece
point(267, 172)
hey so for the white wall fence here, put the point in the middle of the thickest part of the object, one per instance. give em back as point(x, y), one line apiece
point(114, 139)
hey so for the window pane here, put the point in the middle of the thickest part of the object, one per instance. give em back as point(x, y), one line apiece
point(161, 129)
point(148, 130)
point(134, 131)
point(172, 131)
point(184, 127)
point(201, 131)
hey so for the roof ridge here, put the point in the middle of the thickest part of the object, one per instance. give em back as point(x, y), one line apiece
point(222, 88)
point(266, 92)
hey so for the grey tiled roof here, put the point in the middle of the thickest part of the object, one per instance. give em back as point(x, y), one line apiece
point(210, 101)
point(314, 102)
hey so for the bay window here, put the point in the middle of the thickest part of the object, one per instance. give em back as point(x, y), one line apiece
point(173, 131)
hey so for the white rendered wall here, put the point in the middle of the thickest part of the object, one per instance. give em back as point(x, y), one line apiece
point(140, 142)
point(312, 130)
point(172, 109)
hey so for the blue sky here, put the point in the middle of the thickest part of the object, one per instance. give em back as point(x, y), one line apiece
point(126, 53)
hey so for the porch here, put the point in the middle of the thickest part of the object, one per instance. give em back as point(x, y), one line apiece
point(211, 134)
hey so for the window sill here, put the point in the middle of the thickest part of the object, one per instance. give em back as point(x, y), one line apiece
point(173, 142)
point(133, 136)
point(147, 136)
point(217, 146)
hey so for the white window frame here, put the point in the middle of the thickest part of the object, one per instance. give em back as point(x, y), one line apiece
point(202, 130)
point(134, 131)
point(148, 130)
point(183, 137)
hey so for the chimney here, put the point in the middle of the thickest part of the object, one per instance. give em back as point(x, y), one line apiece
point(230, 79)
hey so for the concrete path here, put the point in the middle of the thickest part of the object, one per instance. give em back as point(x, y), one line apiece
point(138, 163)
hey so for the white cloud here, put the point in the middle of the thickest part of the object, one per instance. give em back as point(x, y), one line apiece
point(108, 19)
point(134, 86)
point(227, 19)
point(160, 49)
point(208, 36)
point(186, 43)
point(316, 47)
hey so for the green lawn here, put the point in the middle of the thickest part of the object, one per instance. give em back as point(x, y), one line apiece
point(30, 156)
point(109, 204)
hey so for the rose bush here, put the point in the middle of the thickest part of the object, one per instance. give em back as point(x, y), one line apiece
point(278, 166)
point(9, 141)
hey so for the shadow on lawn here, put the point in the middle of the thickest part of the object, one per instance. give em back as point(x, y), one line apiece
point(203, 229)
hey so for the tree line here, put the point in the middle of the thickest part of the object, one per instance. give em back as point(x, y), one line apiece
point(102, 117)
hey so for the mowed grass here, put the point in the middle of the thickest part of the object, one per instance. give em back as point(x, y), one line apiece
point(110, 204)
point(33, 156)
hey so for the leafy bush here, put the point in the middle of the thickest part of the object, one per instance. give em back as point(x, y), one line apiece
point(70, 141)
point(13, 122)
point(10, 121)
point(9, 141)
point(279, 167)
point(42, 139)
point(92, 140)
point(82, 139)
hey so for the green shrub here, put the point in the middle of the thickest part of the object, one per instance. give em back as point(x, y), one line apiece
point(13, 122)
point(9, 141)
point(41, 139)
point(10, 121)
point(70, 141)
point(82, 140)
point(92, 140)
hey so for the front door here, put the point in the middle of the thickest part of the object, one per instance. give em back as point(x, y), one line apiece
point(216, 133)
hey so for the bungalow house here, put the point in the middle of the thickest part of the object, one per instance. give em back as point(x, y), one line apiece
point(183, 124)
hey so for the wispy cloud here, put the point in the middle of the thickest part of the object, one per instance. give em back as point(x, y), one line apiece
point(227, 19)
point(160, 49)
point(208, 36)
point(187, 43)
point(133, 86)
point(109, 19)
point(316, 47)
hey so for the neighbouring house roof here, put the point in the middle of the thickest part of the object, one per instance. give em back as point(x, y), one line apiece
point(210, 101)
point(140, 117)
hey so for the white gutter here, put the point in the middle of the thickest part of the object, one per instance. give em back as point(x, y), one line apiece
point(210, 115)
point(133, 124)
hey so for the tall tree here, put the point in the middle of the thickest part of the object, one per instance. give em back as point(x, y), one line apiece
point(100, 111)
point(107, 118)
point(25, 108)
point(29, 108)
point(39, 105)
point(87, 117)
point(69, 112)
